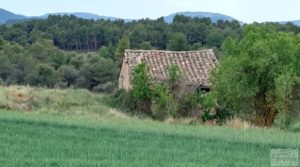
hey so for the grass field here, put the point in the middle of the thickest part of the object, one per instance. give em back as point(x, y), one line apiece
point(88, 133)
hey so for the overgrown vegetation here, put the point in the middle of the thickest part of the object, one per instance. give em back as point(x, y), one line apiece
point(257, 79)
point(259, 75)
point(163, 100)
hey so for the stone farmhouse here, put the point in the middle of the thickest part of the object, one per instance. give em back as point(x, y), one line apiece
point(196, 66)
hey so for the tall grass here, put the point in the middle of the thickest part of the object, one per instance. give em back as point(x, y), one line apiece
point(55, 101)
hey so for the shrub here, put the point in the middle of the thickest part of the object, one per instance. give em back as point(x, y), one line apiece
point(163, 103)
point(124, 100)
point(1, 82)
point(142, 87)
point(107, 87)
point(189, 105)
point(44, 75)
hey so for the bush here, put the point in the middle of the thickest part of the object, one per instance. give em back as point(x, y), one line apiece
point(1, 82)
point(163, 103)
point(107, 87)
point(282, 120)
point(44, 75)
point(123, 100)
point(142, 87)
point(189, 105)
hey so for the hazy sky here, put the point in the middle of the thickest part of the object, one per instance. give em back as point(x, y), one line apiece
point(244, 10)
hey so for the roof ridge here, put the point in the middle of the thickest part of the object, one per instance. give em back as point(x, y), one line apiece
point(169, 51)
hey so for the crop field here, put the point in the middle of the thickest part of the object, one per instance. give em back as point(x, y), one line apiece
point(47, 136)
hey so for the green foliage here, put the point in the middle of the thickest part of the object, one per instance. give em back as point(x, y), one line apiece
point(104, 71)
point(124, 100)
point(43, 64)
point(68, 74)
point(5, 66)
point(142, 87)
point(24, 46)
point(76, 34)
point(43, 75)
point(215, 39)
point(163, 102)
point(123, 44)
point(146, 46)
point(2, 42)
point(189, 104)
point(141, 82)
point(178, 42)
point(258, 74)
point(106, 87)
point(175, 75)
point(196, 46)
point(107, 52)
point(194, 104)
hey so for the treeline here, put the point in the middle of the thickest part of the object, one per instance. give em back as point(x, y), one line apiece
point(72, 33)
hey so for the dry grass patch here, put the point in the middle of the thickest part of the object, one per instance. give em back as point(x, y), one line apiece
point(17, 98)
point(76, 102)
point(238, 123)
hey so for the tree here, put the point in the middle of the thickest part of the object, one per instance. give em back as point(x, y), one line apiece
point(258, 75)
point(68, 74)
point(123, 44)
point(104, 73)
point(5, 66)
point(107, 52)
point(2, 42)
point(215, 38)
point(145, 46)
point(43, 75)
point(142, 87)
point(178, 42)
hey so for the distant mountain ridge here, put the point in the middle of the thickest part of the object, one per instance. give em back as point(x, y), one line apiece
point(213, 16)
point(7, 15)
point(11, 18)
point(296, 22)
point(84, 15)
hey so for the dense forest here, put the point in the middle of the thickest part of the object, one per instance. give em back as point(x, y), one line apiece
point(71, 33)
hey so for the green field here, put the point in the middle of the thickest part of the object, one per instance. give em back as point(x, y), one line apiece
point(82, 135)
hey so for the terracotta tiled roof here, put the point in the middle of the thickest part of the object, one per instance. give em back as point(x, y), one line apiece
point(196, 65)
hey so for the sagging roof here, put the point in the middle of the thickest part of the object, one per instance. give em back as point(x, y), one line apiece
point(196, 65)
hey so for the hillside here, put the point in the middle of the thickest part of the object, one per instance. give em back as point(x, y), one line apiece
point(11, 18)
point(83, 15)
point(7, 15)
point(213, 16)
point(75, 128)
point(296, 22)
